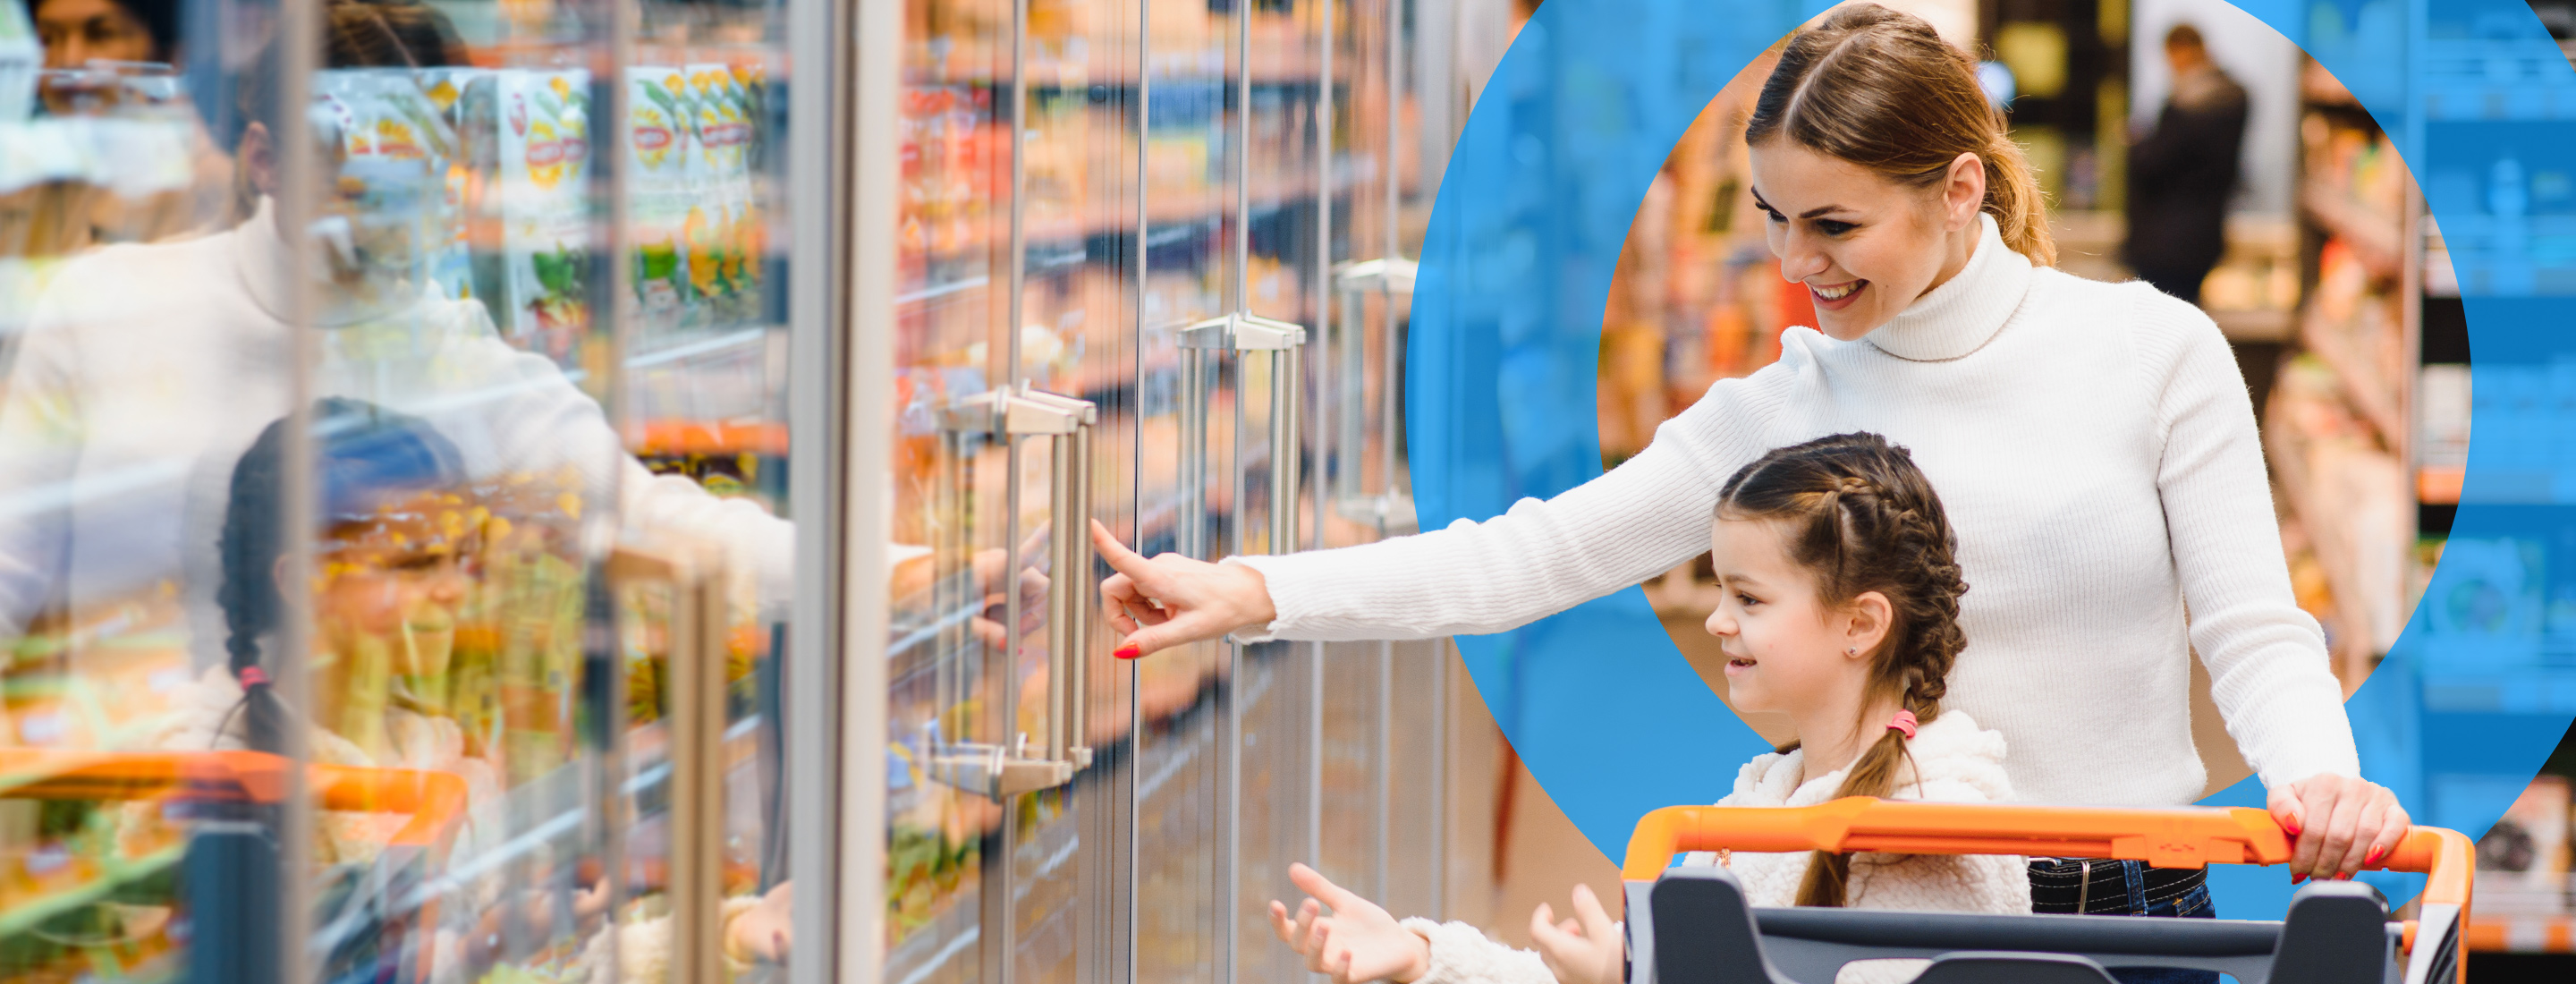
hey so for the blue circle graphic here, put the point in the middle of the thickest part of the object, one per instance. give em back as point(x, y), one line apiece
point(1528, 226)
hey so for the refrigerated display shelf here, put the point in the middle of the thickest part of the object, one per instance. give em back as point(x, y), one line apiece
point(955, 929)
point(1170, 795)
point(1301, 79)
point(23, 914)
point(678, 437)
point(1208, 206)
point(706, 342)
point(949, 60)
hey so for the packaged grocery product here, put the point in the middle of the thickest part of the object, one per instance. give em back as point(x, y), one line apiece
point(660, 141)
point(469, 268)
point(720, 176)
point(388, 226)
point(751, 90)
point(545, 158)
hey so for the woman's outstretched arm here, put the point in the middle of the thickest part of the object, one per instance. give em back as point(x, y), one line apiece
point(1537, 559)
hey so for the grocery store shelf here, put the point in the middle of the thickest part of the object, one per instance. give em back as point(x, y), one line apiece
point(2440, 485)
point(2375, 397)
point(24, 915)
point(2316, 85)
point(2266, 325)
point(2329, 529)
point(679, 436)
point(2374, 236)
point(2521, 934)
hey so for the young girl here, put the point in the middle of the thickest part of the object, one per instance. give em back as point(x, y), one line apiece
point(1841, 610)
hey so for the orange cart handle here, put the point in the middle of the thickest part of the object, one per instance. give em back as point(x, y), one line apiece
point(2166, 838)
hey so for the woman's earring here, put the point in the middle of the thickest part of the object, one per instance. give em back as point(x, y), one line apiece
point(1851, 650)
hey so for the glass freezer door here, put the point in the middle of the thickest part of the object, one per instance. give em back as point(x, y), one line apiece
point(399, 549)
point(1131, 212)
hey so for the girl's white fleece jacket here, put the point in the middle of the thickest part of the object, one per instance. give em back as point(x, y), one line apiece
point(1954, 761)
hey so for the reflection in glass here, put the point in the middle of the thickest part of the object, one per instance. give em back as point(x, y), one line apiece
point(405, 580)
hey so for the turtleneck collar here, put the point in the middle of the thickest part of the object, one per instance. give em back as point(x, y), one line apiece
point(1962, 315)
point(262, 260)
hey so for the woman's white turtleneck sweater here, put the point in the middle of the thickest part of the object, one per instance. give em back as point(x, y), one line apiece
point(146, 370)
point(2095, 449)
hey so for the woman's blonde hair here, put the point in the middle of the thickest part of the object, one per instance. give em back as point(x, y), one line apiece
point(1858, 515)
point(1878, 88)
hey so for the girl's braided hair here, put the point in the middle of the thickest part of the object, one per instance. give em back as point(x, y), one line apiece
point(1855, 512)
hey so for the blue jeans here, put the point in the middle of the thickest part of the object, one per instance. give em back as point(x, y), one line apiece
point(2124, 888)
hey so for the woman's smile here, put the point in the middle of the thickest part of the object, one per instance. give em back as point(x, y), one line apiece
point(1838, 296)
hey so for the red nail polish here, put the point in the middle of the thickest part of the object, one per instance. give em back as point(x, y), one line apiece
point(2295, 879)
point(1128, 651)
point(2375, 854)
point(2290, 827)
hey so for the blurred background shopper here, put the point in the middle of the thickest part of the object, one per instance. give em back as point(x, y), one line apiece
point(2182, 173)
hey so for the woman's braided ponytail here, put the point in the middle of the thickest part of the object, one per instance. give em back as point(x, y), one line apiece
point(1861, 517)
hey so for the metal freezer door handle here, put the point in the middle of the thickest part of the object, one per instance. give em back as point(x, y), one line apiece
point(1067, 423)
point(1243, 331)
point(1389, 509)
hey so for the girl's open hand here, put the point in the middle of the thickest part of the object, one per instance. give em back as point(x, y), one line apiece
point(1358, 943)
point(1169, 600)
point(2342, 824)
point(1583, 950)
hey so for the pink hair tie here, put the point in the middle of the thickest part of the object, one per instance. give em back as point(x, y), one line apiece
point(1903, 721)
point(252, 676)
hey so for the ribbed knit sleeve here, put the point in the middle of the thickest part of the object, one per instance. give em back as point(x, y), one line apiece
point(41, 432)
point(1641, 519)
point(2268, 668)
point(546, 422)
point(1462, 955)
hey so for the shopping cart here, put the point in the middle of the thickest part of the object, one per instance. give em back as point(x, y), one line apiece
point(1693, 925)
point(224, 853)
point(433, 800)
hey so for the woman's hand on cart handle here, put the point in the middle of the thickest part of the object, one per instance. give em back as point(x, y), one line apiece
point(1586, 949)
point(1357, 944)
point(2341, 824)
point(1170, 600)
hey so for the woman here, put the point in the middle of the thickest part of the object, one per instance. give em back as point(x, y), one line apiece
point(210, 344)
point(2094, 442)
